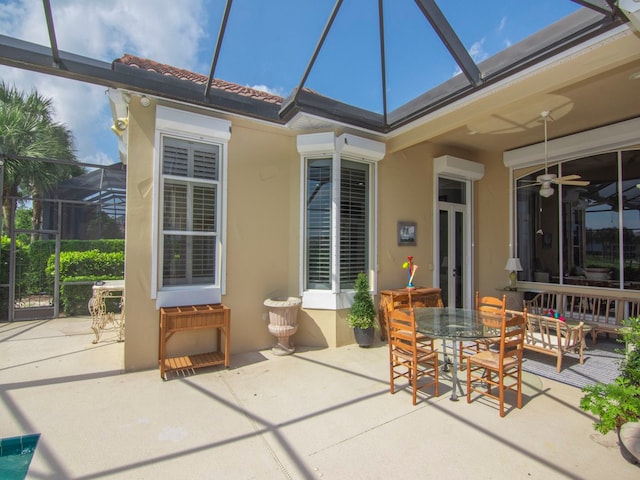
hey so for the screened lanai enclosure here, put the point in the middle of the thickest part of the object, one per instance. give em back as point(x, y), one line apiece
point(407, 67)
point(587, 234)
point(56, 246)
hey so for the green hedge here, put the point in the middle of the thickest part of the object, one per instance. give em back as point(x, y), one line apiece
point(88, 263)
point(22, 256)
point(41, 251)
point(80, 260)
point(75, 298)
point(87, 266)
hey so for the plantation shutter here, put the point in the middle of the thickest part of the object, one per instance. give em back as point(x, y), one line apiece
point(354, 221)
point(318, 224)
point(191, 172)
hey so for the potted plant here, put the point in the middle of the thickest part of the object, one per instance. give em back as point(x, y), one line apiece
point(362, 317)
point(618, 403)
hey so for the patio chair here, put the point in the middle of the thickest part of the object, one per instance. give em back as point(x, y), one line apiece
point(483, 304)
point(408, 300)
point(408, 357)
point(506, 364)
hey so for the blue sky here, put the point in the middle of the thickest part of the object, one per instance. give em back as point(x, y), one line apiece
point(267, 45)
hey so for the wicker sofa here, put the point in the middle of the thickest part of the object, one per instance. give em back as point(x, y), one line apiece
point(599, 313)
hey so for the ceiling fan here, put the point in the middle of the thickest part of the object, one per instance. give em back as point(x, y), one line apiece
point(547, 179)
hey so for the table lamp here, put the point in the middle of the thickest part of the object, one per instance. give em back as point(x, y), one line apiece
point(513, 266)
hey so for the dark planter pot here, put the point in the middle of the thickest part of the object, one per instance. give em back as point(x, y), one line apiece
point(364, 336)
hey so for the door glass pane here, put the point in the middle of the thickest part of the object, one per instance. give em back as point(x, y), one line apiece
point(452, 191)
point(443, 260)
point(631, 218)
point(458, 273)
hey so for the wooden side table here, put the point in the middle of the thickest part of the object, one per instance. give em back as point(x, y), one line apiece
point(424, 296)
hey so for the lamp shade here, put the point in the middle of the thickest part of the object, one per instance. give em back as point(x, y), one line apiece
point(513, 265)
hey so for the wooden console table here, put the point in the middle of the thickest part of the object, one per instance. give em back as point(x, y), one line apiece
point(423, 297)
point(190, 318)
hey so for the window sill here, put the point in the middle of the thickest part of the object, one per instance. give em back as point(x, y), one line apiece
point(325, 300)
point(188, 295)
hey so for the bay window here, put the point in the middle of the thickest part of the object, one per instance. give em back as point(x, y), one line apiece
point(337, 215)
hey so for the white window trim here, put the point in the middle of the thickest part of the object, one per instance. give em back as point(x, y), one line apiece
point(194, 127)
point(447, 166)
point(349, 147)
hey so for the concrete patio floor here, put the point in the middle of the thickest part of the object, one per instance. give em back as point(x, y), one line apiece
point(315, 414)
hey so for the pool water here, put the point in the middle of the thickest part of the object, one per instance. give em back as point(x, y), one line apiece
point(15, 456)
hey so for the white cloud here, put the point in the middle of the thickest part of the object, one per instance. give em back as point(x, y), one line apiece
point(99, 158)
point(272, 91)
point(503, 23)
point(163, 30)
point(477, 51)
point(501, 27)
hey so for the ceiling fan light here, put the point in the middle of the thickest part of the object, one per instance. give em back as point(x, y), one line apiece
point(546, 192)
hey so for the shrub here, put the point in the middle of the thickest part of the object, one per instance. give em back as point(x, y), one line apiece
point(42, 252)
point(363, 312)
point(614, 403)
point(618, 402)
point(89, 263)
point(74, 297)
point(85, 268)
point(22, 258)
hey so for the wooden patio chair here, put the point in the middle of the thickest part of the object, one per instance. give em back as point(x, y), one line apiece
point(506, 364)
point(409, 300)
point(408, 357)
point(483, 304)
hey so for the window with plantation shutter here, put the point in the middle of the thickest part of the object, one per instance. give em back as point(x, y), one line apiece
point(190, 200)
point(351, 233)
point(338, 228)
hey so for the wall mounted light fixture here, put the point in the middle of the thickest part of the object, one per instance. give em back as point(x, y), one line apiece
point(120, 126)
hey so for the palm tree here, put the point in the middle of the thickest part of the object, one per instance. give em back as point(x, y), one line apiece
point(27, 129)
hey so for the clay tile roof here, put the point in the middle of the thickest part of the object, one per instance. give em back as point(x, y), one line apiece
point(162, 69)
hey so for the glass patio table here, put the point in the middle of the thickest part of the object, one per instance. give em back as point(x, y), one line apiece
point(456, 324)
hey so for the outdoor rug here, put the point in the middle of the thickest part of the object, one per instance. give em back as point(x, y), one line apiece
point(601, 364)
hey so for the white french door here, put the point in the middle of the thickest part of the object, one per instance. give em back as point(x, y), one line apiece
point(453, 245)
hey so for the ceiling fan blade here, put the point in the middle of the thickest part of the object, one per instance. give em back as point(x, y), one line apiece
point(569, 177)
point(577, 183)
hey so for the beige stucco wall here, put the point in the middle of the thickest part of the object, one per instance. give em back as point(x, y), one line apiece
point(405, 193)
point(262, 243)
point(142, 329)
point(491, 226)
